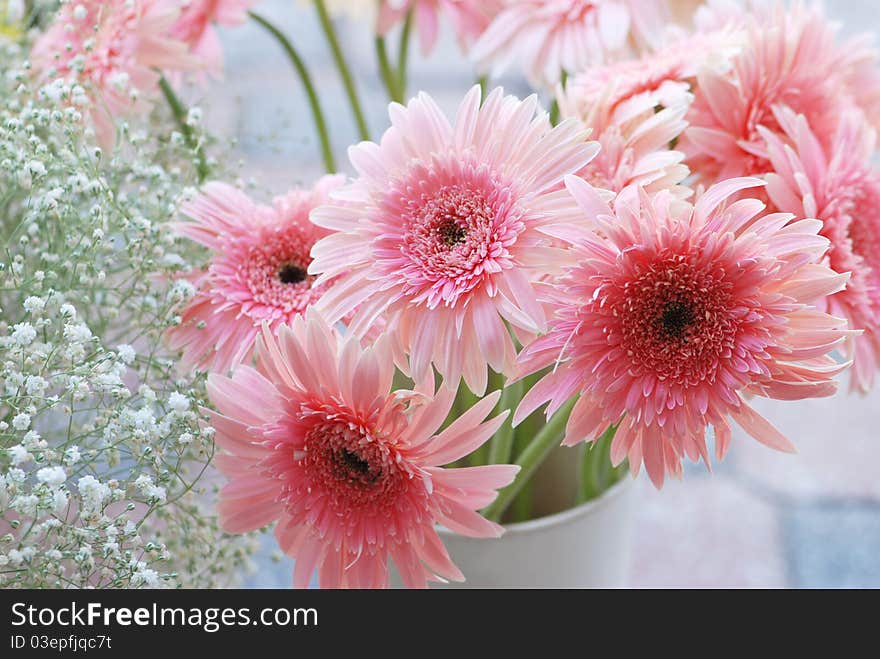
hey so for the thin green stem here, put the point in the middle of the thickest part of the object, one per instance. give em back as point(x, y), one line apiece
point(554, 109)
point(521, 508)
point(596, 471)
point(531, 458)
point(483, 82)
point(180, 116)
point(501, 444)
point(311, 93)
point(496, 383)
point(388, 76)
point(403, 56)
point(344, 71)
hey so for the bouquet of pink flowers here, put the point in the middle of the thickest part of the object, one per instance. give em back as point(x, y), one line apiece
point(683, 216)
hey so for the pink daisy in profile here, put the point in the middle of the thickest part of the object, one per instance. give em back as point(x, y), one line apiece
point(839, 187)
point(635, 146)
point(257, 273)
point(443, 231)
point(790, 59)
point(664, 77)
point(315, 440)
point(195, 27)
point(666, 326)
point(469, 18)
point(112, 49)
point(552, 37)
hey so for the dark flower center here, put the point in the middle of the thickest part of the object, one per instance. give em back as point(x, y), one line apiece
point(354, 463)
point(291, 274)
point(676, 318)
point(451, 233)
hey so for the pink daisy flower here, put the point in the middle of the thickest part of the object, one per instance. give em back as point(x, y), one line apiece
point(549, 37)
point(666, 326)
point(854, 60)
point(839, 187)
point(442, 231)
point(469, 18)
point(664, 77)
point(634, 145)
point(351, 473)
point(195, 27)
point(113, 50)
point(258, 270)
point(790, 59)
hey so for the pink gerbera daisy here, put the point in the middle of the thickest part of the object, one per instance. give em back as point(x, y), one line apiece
point(840, 188)
point(789, 59)
point(113, 49)
point(552, 37)
point(195, 27)
point(664, 77)
point(315, 440)
point(258, 270)
point(666, 326)
point(442, 230)
point(469, 18)
point(635, 145)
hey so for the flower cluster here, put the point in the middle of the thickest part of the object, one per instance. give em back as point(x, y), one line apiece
point(101, 447)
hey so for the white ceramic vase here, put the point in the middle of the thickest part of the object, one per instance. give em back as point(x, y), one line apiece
point(583, 547)
point(587, 546)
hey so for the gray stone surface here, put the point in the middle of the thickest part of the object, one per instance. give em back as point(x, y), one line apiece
point(833, 544)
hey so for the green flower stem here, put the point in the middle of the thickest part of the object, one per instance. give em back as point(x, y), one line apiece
point(496, 383)
point(403, 56)
point(180, 116)
point(483, 82)
point(501, 445)
point(554, 108)
point(344, 71)
point(314, 103)
point(521, 508)
point(388, 76)
point(531, 458)
point(596, 471)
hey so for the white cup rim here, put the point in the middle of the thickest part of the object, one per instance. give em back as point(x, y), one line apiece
point(583, 510)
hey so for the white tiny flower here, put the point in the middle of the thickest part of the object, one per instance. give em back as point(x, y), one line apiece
point(26, 504)
point(126, 353)
point(23, 334)
point(178, 402)
point(59, 500)
point(93, 492)
point(19, 454)
point(53, 476)
point(80, 12)
point(185, 438)
point(34, 304)
point(67, 311)
point(33, 441)
point(35, 385)
point(36, 168)
point(72, 455)
point(21, 421)
point(77, 332)
point(146, 577)
point(182, 290)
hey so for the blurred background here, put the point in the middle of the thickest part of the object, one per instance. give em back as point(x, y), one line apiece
point(762, 518)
